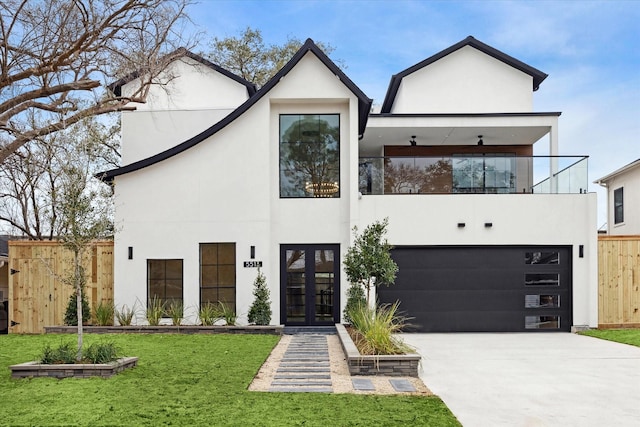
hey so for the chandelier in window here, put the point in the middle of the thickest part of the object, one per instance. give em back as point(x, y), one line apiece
point(322, 189)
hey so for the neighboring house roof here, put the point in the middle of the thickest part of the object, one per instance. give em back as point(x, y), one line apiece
point(396, 79)
point(603, 181)
point(364, 106)
point(116, 87)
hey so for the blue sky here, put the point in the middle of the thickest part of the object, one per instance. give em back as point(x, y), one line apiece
point(590, 49)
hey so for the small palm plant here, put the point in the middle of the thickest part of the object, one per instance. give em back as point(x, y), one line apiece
point(155, 310)
point(175, 310)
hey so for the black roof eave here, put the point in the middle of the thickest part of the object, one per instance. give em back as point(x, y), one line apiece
point(396, 79)
point(364, 106)
point(116, 87)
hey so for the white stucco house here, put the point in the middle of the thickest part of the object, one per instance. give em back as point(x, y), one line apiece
point(623, 199)
point(219, 178)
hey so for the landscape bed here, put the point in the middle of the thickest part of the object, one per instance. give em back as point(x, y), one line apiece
point(402, 365)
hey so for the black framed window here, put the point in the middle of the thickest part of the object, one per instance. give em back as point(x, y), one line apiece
point(618, 205)
point(218, 273)
point(164, 280)
point(309, 155)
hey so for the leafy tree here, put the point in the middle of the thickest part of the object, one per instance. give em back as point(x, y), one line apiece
point(260, 311)
point(249, 57)
point(87, 217)
point(58, 56)
point(368, 261)
point(355, 299)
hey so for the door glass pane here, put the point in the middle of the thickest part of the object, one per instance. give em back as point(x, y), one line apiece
point(295, 289)
point(324, 279)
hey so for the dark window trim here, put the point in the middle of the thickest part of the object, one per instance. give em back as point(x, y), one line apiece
point(618, 205)
point(280, 154)
point(164, 260)
point(235, 265)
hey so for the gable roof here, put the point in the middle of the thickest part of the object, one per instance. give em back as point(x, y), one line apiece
point(603, 181)
point(116, 87)
point(396, 79)
point(364, 105)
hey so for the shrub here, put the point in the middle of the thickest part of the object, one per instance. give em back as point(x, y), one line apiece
point(104, 313)
point(376, 328)
point(227, 312)
point(260, 311)
point(64, 353)
point(355, 298)
point(208, 314)
point(155, 311)
point(125, 315)
point(71, 314)
point(101, 353)
point(175, 310)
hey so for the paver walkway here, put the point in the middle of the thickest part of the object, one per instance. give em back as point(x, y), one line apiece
point(304, 366)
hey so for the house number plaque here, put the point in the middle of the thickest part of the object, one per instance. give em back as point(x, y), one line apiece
point(252, 264)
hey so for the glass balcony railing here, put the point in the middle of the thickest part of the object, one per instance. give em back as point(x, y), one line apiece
point(465, 174)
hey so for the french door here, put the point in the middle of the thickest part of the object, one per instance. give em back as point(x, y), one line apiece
point(309, 284)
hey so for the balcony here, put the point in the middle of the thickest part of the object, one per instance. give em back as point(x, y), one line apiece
point(473, 174)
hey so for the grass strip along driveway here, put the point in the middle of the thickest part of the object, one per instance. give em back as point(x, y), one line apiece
point(189, 380)
point(624, 336)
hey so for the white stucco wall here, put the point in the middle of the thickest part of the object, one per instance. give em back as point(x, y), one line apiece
point(630, 181)
point(226, 189)
point(465, 81)
point(192, 98)
point(519, 219)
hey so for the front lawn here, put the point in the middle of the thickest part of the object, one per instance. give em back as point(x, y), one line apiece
point(625, 336)
point(189, 380)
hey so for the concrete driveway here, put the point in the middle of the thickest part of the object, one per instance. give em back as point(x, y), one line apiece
point(538, 379)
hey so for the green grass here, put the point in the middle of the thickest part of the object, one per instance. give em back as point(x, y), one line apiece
point(625, 336)
point(189, 380)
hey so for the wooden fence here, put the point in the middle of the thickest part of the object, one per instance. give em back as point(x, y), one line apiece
point(37, 296)
point(618, 281)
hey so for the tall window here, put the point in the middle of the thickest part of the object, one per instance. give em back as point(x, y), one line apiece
point(218, 273)
point(164, 279)
point(310, 155)
point(618, 205)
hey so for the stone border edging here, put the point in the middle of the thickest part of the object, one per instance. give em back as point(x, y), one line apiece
point(167, 329)
point(400, 365)
point(80, 370)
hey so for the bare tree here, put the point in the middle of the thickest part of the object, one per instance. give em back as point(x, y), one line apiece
point(58, 56)
point(30, 178)
point(247, 55)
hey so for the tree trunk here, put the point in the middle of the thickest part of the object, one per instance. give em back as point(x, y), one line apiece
point(78, 282)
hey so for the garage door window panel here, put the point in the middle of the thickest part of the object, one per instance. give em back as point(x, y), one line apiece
point(542, 322)
point(542, 279)
point(542, 301)
point(542, 258)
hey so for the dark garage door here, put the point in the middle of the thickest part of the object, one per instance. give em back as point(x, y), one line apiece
point(483, 289)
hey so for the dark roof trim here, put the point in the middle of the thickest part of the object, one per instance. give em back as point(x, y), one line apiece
point(394, 84)
point(550, 114)
point(116, 87)
point(364, 106)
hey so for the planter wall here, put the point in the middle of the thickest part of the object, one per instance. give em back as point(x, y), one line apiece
point(35, 369)
point(186, 329)
point(397, 365)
